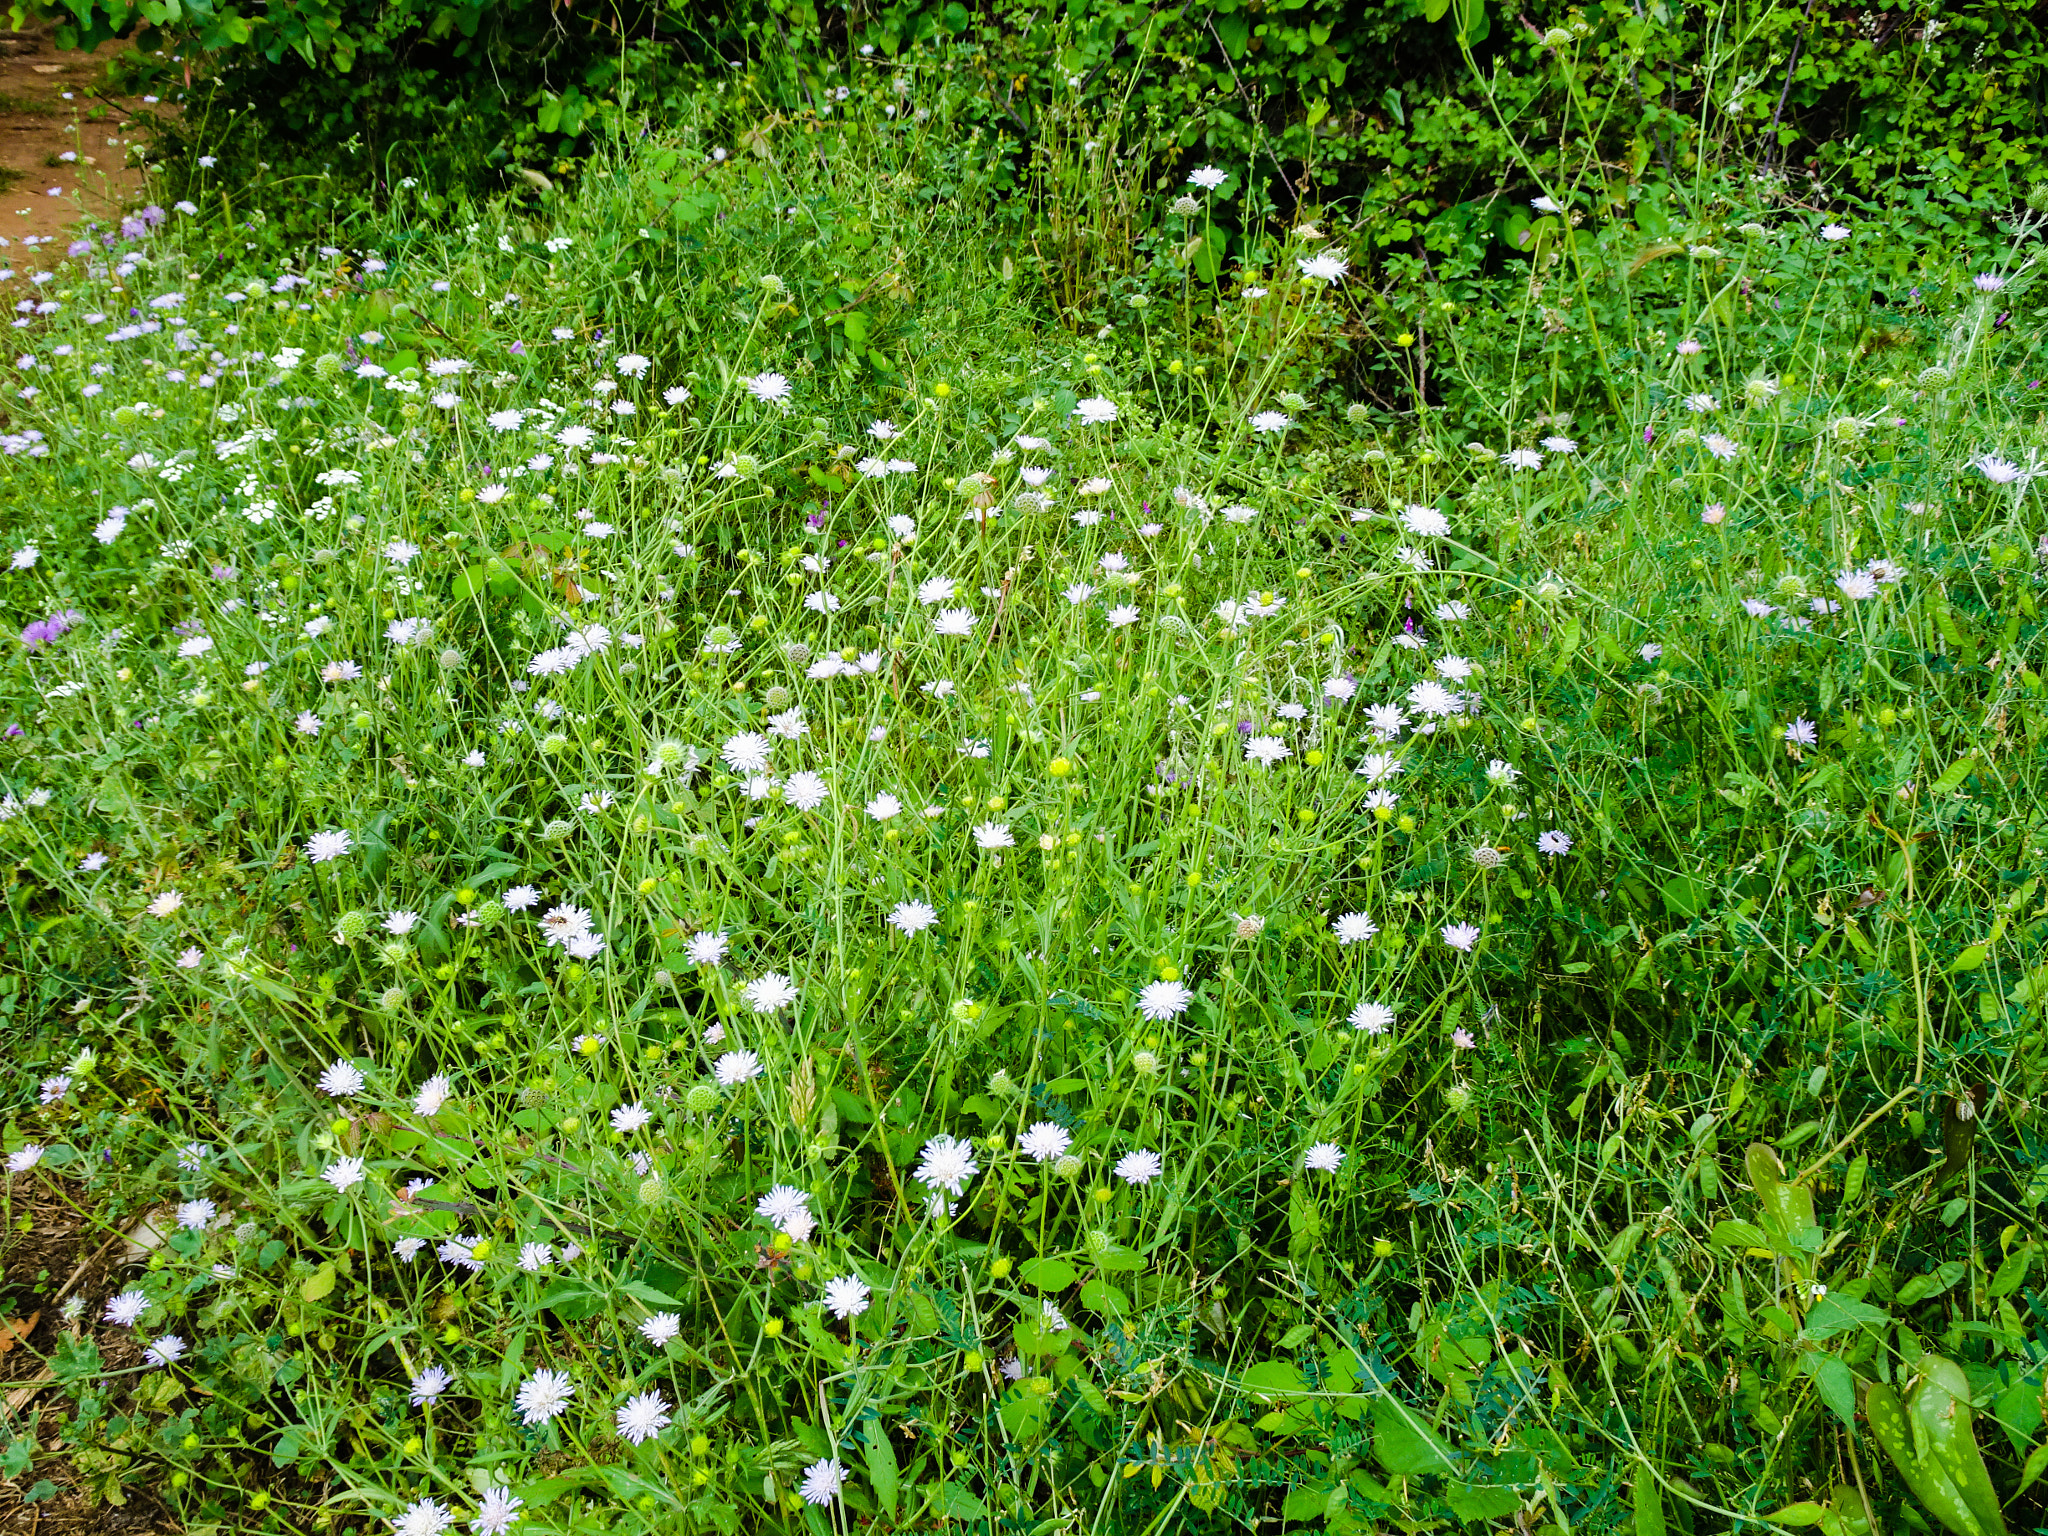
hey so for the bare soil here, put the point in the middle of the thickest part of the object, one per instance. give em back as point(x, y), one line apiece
point(54, 103)
point(61, 1254)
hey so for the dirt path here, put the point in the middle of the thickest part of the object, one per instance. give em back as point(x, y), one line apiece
point(65, 144)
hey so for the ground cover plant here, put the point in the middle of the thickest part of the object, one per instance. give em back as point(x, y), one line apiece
point(672, 870)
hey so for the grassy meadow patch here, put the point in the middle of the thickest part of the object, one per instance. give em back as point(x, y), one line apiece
point(674, 870)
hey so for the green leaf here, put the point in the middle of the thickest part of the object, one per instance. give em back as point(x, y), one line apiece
point(1648, 1499)
point(1274, 1380)
point(1024, 1413)
point(1047, 1274)
point(571, 1302)
point(1799, 1514)
point(1306, 1503)
point(1405, 1445)
point(632, 1487)
point(543, 1493)
point(1933, 1283)
point(881, 1456)
point(1970, 959)
point(855, 1110)
point(1473, 1502)
point(1032, 1337)
point(319, 1284)
point(1736, 1234)
point(2012, 1271)
point(641, 1291)
point(1836, 1384)
point(956, 1502)
point(2037, 1463)
point(1686, 896)
point(1953, 775)
point(1098, 1295)
point(1831, 1315)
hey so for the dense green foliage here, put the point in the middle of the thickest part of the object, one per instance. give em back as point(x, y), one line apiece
point(1559, 887)
point(1428, 122)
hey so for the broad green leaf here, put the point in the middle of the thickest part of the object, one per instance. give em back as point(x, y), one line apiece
point(1274, 1380)
point(1121, 1261)
point(1736, 1234)
point(1098, 1295)
point(1804, 1513)
point(1648, 1500)
point(1835, 1382)
point(1474, 1503)
point(2013, 1270)
point(1687, 896)
point(1953, 775)
point(956, 1501)
point(2037, 1463)
point(1832, 1315)
point(661, 1300)
point(1024, 1413)
point(1405, 1445)
point(1047, 1274)
point(881, 1458)
point(1933, 1283)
